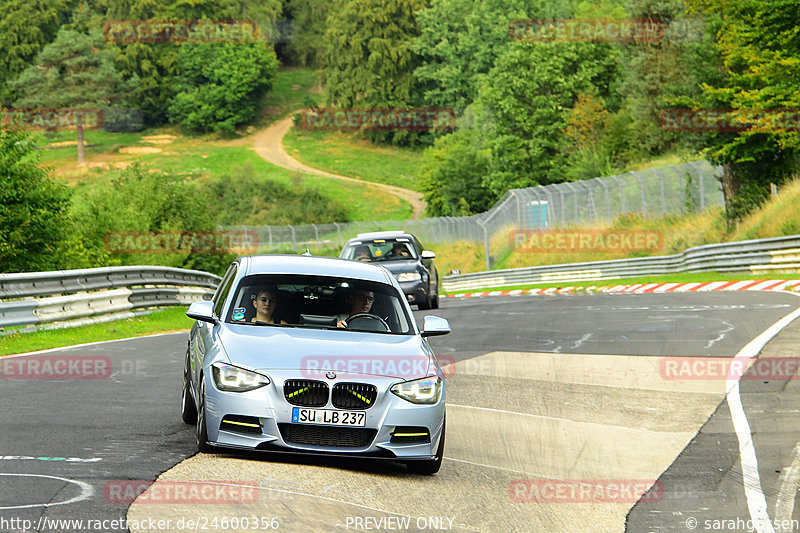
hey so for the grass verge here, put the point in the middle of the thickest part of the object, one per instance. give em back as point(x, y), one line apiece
point(166, 320)
point(686, 277)
point(347, 155)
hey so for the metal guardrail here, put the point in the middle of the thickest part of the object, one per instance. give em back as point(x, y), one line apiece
point(65, 298)
point(776, 254)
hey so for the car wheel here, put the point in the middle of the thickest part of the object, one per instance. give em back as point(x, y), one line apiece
point(188, 408)
point(425, 305)
point(435, 301)
point(428, 468)
point(202, 433)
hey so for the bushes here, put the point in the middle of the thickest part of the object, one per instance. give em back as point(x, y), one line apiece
point(218, 87)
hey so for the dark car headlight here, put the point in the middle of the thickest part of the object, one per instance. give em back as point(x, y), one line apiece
point(234, 379)
point(409, 276)
point(426, 390)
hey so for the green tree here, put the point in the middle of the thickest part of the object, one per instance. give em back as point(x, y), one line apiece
point(74, 71)
point(459, 41)
point(534, 87)
point(26, 27)
point(451, 175)
point(151, 68)
point(760, 47)
point(219, 86)
point(141, 200)
point(34, 223)
point(307, 38)
point(369, 61)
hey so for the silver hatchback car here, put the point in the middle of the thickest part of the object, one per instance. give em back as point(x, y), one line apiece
point(314, 355)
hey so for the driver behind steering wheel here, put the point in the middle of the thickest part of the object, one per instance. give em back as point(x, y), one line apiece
point(360, 302)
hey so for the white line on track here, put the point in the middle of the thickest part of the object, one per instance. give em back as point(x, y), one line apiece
point(554, 418)
point(87, 491)
point(756, 501)
point(71, 346)
point(784, 506)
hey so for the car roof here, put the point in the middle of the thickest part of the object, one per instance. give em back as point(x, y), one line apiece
point(381, 235)
point(313, 266)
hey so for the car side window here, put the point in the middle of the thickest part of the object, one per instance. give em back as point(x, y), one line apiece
point(225, 288)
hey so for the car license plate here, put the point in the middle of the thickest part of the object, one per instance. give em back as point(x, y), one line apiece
point(328, 417)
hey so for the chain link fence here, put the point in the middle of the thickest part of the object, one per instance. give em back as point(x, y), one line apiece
point(655, 192)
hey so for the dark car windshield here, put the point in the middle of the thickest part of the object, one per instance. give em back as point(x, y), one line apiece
point(399, 249)
point(318, 302)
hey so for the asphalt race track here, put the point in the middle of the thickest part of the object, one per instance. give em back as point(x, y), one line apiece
point(545, 394)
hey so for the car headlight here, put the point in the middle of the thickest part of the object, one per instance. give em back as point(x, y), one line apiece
point(235, 379)
point(426, 390)
point(409, 276)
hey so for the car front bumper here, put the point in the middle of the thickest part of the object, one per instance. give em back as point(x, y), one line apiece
point(273, 413)
point(415, 291)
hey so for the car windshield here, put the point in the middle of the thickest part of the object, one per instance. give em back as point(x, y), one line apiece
point(380, 250)
point(319, 302)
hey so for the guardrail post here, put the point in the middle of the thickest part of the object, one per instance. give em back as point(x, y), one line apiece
point(316, 233)
point(338, 232)
point(294, 239)
point(269, 233)
point(602, 182)
point(622, 193)
point(486, 245)
point(696, 166)
point(575, 203)
point(641, 189)
point(519, 210)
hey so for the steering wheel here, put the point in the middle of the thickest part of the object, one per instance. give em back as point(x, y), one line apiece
point(369, 322)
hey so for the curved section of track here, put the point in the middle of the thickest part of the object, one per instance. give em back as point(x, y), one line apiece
point(544, 393)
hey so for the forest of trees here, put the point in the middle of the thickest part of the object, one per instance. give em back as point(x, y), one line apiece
point(529, 110)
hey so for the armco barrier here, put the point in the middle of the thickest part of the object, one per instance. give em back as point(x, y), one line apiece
point(73, 297)
point(760, 256)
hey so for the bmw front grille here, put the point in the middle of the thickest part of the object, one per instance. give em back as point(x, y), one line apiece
point(306, 392)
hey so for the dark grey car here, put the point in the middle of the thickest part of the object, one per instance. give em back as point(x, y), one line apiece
point(403, 255)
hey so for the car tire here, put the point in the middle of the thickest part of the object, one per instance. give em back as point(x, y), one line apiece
point(425, 305)
point(435, 301)
point(188, 408)
point(202, 432)
point(428, 468)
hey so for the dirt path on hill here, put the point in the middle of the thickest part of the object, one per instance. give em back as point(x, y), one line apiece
point(268, 144)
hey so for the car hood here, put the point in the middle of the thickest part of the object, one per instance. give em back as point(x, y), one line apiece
point(396, 267)
point(314, 352)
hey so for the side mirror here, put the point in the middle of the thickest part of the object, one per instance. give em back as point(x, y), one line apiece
point(427, 254)
point(434, 325)
point(203, 311)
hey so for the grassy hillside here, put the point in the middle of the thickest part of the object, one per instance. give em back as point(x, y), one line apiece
point(211, 160)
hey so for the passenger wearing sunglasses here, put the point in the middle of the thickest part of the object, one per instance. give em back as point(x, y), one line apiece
point(360, 302)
